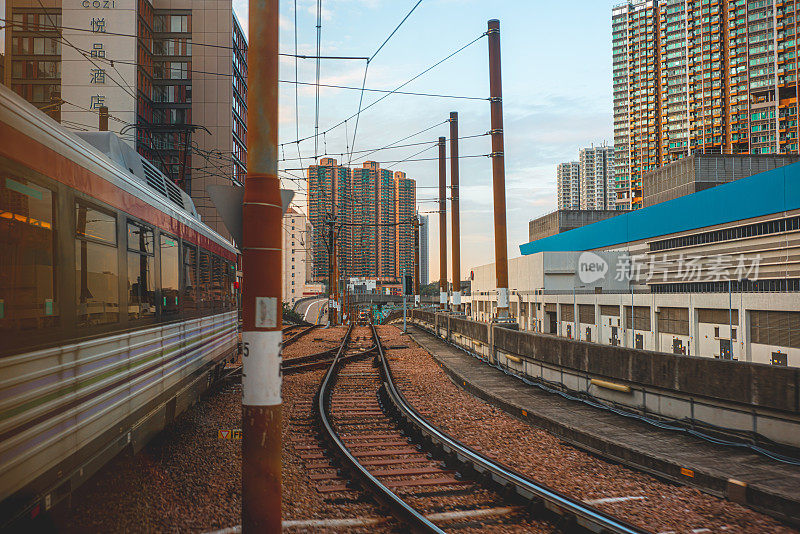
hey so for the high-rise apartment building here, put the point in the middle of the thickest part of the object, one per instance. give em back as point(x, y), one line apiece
point(330, 206)
point(424, 258)
point(405, 211)
point(296, 260)
point(597, 178)
point(370, 203)
point(699, 76)
point(172, 74)
point(569, 185)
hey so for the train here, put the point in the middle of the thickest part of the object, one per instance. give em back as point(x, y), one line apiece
point(118, 306)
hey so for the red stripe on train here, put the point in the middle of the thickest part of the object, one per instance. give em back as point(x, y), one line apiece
point(44, 160)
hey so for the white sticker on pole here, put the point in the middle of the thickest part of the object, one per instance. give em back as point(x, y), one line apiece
point(442, 297)
point(502, 297)
point(456, 298)
point(261, 368)
point(266, 312)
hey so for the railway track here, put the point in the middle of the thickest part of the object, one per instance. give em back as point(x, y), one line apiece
point(295, 332)
point(429, 481)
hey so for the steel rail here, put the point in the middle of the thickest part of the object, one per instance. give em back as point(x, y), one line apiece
point(585, 516)
point(306, 329)
point(320, 360)
point(400, 508)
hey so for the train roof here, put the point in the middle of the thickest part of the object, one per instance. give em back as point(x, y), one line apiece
point(107, 156)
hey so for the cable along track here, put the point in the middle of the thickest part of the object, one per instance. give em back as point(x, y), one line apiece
point(367, 422)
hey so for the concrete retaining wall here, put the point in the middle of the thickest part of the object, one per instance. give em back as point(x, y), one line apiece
point(739, 397)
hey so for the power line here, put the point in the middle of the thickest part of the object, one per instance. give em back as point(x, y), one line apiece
point(395, 90)
point(394, 31)
point(409, 159)
point(393, 147)
point(11, 23)
point(319, 44)
point(296, 86)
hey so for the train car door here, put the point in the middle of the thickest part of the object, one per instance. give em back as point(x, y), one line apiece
point(639, 341)
point(614, 337)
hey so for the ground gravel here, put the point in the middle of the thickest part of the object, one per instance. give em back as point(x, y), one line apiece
point(188, 480)
point(317, 340)
point(539, 455)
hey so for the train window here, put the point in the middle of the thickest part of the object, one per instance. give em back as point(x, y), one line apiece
point(189, 277)
point(230, 279)
point(27, 270)
point(141, 270)
point(170, 274)
point(216, 283)
point(95, 225)
point(96, 268)
point(204, 293)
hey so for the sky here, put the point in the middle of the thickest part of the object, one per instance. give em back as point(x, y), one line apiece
point(557, 97)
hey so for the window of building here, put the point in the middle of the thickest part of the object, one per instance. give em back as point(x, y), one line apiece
point(27, 267)
point(777, 328)
point(141, 267)
point(96, 268)
point(674, 321)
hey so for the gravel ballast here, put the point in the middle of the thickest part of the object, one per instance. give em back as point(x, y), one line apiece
point(633, 496)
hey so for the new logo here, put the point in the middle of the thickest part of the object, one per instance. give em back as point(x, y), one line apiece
point(591, 267)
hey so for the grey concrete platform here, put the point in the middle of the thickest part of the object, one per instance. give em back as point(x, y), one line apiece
point(772, 487)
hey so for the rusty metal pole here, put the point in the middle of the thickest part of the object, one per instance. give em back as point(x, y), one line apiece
point(261, 300)
point(103, 119)
point(416, 262)
point(455, 217)
point(442, 224)
point(498, 171)
point(335, 277)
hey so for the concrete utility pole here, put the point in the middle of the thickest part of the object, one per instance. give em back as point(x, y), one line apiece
point(262, 219)
point(456, 223)
point(442, 224)
point(498, 170)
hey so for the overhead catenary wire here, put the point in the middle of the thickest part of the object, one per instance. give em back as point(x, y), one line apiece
point(11, 23)
point(395, 90)
point(366, 70)
point(370, 151)
point(412, 158)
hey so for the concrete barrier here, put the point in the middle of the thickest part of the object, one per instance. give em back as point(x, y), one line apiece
point(727, 397)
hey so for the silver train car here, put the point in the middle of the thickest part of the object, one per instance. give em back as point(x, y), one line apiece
point(118, 305)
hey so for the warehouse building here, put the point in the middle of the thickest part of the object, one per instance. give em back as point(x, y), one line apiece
point(714, 274)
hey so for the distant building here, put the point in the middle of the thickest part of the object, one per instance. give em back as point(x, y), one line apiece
point(568, 177)
point(704, 274)
point(295, 256)
point(597, 178)
point(721, 78)
point(159, 66)
point(565, 220)
point(424, 258)
point(329, 185)
point(406, 199)
point(699, 172)
point(374, 212)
